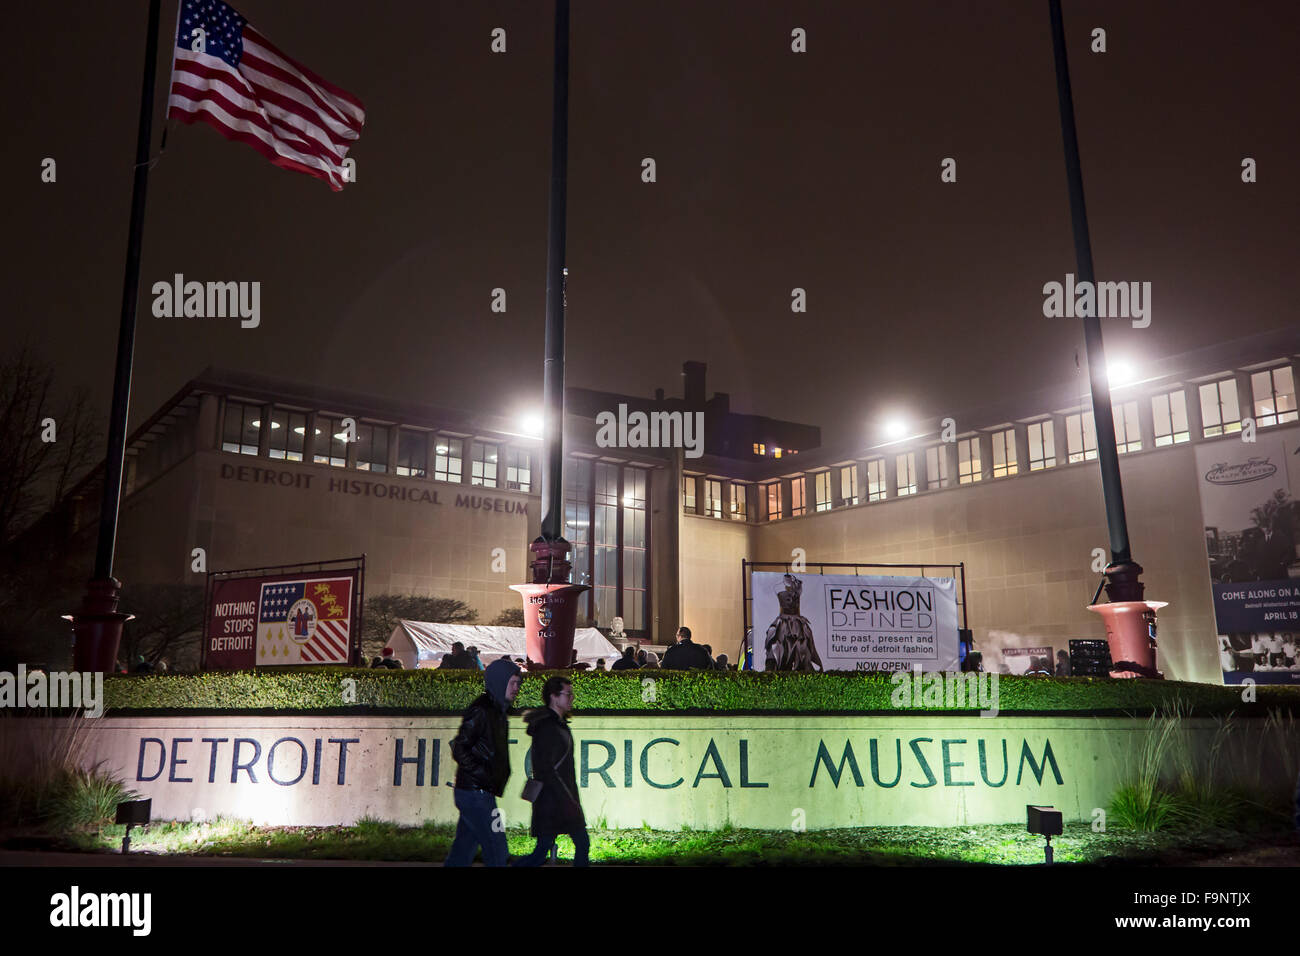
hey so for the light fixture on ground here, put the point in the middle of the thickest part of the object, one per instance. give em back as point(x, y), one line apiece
point(1047, 822)
point(134, 813)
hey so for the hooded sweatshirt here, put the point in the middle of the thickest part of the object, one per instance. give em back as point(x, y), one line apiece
point(495, 678)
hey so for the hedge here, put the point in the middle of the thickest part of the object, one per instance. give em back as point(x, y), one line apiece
point(624, 692)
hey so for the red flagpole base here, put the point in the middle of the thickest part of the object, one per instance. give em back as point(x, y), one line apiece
point(97, 627)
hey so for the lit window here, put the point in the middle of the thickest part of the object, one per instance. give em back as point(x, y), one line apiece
point(823, 491)
point(776, 453)
point(1128, 433)
point(372, 447)
point(330, 442)
point(688, 494)
point(876, 480)
point(797, 493)
point(1220, 414)
point(412, 453)
point(288, 433)
point(1080, 437)
point(968, 461)
point(760, 449)
point(849, 484)
point(519, 470)
point(1042, 446)
point(772, 494)
point(1169, 416)
point(713, 498)
point(239, 434)
point(906, 465)
point(738, 502)
point(1274, 396)
point(936, 467)
point(447, 455)
point(483, 464)
point(1005, 462)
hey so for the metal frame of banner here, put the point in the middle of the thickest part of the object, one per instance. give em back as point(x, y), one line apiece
point(747, 567)
point(359, 596)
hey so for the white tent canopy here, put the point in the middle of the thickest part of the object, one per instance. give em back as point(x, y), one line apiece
point(421, 644)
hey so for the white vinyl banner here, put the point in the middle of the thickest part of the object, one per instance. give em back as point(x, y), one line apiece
point(816, 622)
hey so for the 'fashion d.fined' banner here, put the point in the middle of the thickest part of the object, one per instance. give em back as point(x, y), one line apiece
point(1252, 520)
point(824, 622)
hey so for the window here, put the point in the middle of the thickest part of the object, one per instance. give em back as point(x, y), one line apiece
point(1169, 416)
point(1219, 411)
point(519, 470)
point(876, 480)
point(772, 495)
point(776, 453)
point(447, 455)
point(636, 575)
point(412, 453)
point(483, 464)
point(822, 491)
point(1005, 462)
point(849, 484)
point(688, 494)
point(1042, 445)
point(738, 507)
point(968, 461)
point(1128, 433)
point(907, 473)
point(330, 446)
point(1274, 396)
point(239, 433)
point(288, 433)
point(760, 449)
point(577, 520)
point(798, 492)
point(713, 497)
point(936, 467)
point(604, 541)
point(372, 447)
point(1080, 437)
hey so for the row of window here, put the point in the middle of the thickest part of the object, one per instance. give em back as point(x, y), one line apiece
point(419, 454)
point(1274, 399)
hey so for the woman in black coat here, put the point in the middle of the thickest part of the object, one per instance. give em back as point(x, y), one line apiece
point(556, 809)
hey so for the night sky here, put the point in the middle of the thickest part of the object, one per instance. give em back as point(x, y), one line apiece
point(775, 170)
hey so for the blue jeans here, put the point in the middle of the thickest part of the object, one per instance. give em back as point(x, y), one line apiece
point(581, 844)
point(475, 829)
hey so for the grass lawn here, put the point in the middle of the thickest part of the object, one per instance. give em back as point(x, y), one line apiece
point(1006, 844)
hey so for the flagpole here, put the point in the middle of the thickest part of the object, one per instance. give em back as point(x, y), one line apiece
point(1123, 573)
point(98, 626)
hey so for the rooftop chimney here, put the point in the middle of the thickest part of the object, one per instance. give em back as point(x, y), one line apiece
point(693, 382)
point(659, 394)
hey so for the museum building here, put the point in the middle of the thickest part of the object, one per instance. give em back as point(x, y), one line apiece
point(260, 472)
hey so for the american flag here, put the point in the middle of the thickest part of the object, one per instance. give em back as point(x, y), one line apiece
point(304, 622)
point(231, 77)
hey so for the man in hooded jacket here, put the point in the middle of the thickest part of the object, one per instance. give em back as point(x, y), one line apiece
point(482, 757)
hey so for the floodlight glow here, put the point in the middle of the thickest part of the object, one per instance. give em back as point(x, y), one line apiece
point(895, 428)
point(532, 424)
point(1119, 372)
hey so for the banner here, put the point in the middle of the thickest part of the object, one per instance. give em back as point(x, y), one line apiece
point(815, 622)
point(1249, 510)
point(283, 619)
point(1028, 660)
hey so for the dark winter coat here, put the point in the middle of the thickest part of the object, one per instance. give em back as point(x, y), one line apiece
point(481, 747)
point(685, 655)
point(556, 810)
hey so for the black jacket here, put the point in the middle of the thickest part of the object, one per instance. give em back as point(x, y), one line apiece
point(481, 748)
point(686, 654)
point(557, 809)
point(625, 664)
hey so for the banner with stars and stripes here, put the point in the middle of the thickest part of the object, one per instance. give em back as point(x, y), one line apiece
point(305, 621)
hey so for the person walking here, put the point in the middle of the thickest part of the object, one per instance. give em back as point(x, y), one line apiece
point(556, 809)
point(480, 749)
